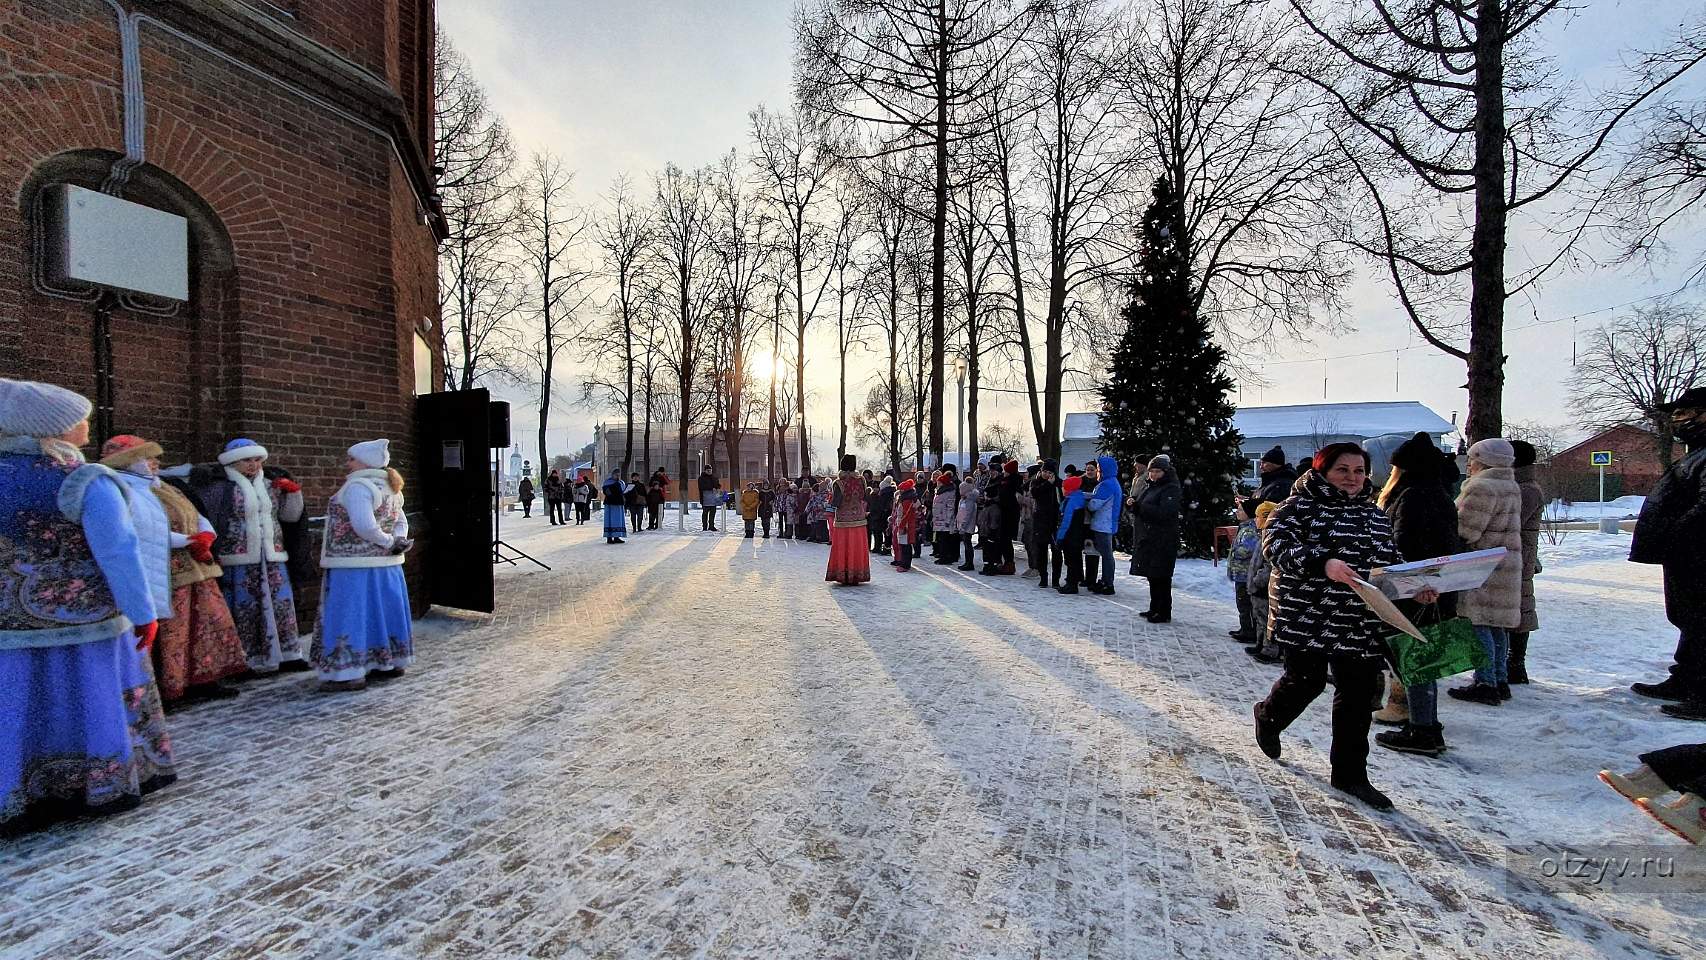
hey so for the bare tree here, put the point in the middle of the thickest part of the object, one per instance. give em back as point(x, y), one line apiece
point(1005, 439)
point(478, 287)
point(548, 229)
point(1324, 429)
point(649, 331)
point(889, 191)
point(1637, 362)
point(684, 245)
point(1450, 101)
point(796, 165)
point(1226, 117)
point(916, 71)
point(1662, 183)
point(846, 230)
point(740, 239)
point(625, 237)
point(1547, 439)
point(875, 421)
point(480, 296)
point(976, 251)
point(1081, 166)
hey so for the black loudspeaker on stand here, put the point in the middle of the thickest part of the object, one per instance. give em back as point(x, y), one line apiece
point(497, 419)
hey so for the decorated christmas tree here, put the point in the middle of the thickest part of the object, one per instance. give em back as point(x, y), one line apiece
point(1167, 388)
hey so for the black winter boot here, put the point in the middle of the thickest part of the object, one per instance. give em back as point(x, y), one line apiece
point(1429, 741)
point(1364, 791)
point(1516, 665)
point(1483, 693)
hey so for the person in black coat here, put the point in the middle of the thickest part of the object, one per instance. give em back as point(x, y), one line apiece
point(1277, 480)
point(524, 493)
point(879, 507)
point(1326, 536)
point(1045, 518)
point(554, 498)
point(1157, 551)
point(1424, 525)
point(1671, 532)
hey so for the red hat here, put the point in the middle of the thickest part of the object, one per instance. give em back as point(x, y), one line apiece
point(125, 449)
point(908, 485)
point(1011, 466)
point(1072, 483)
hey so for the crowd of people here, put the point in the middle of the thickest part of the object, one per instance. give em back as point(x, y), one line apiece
point(1303, 536)
point(128, 590)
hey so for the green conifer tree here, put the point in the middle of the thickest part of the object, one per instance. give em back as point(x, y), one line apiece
point(1167, 389)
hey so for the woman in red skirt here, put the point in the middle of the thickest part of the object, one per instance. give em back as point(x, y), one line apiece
point(849, 550)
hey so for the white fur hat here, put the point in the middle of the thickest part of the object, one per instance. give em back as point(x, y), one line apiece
point(241, 448)
point(375, 454)
point(31, 409)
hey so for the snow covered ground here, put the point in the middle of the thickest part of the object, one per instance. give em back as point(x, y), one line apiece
point(1622, 508)
point(691, 746)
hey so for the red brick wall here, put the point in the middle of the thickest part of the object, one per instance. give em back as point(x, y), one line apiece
point(301, 332)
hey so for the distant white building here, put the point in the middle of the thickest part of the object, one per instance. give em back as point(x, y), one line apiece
point(1299, 429)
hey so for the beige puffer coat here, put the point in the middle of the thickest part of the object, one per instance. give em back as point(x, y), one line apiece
point(1489, 514)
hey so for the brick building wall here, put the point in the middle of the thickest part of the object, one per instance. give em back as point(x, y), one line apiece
point(1635, 468)
point(296, 138)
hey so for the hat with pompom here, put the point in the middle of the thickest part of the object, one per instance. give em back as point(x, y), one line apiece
point(40, 410)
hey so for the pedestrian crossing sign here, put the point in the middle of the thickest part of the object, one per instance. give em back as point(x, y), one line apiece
point(1600, 458)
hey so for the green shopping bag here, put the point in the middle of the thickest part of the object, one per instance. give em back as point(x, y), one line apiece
point(1451, 648)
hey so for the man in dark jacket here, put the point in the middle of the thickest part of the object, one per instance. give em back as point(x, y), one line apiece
point(1278, 477)
point(1672, 532)
point(710, 495)
point(1045, 519)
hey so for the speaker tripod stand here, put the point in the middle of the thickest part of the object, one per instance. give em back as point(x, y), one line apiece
point(502, 551)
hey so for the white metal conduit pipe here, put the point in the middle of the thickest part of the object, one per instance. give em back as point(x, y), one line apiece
point(135, 104)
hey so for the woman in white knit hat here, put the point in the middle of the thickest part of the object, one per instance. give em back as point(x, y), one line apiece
point(81, 729)
point(364, 626)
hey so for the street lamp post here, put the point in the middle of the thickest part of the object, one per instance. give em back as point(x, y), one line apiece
point(960, 418)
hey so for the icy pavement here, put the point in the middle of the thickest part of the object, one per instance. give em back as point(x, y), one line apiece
point(692, 746)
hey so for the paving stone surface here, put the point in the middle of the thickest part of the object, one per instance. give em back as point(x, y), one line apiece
point(691, 746)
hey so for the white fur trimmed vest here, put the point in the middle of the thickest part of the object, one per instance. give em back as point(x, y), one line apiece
point(255, 522)
point(344, 546)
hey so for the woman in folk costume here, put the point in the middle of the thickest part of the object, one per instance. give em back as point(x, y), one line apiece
point(849, 551)
point(364, 631)
point(615, 515)
point(197, 645)
point(256, 512)
point(81, 729)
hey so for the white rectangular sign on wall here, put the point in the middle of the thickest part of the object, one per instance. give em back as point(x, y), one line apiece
point(117, 244)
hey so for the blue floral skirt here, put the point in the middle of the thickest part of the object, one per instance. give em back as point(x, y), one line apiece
point(264, 609)
point(364, 623)
point(81, 730)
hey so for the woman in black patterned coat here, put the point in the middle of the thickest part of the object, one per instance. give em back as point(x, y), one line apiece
point(1329, 533)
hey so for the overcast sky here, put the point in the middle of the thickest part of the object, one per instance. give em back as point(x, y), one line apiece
point(625, 87)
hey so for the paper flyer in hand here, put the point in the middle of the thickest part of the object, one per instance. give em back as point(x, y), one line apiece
point(1384, 608)
point(1460, 571)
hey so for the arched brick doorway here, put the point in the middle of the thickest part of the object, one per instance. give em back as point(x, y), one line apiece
point(170, 361)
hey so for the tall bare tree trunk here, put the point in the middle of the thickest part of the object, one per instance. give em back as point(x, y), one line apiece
point(1487, 246)
point(939, 238)
point(800, 363)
